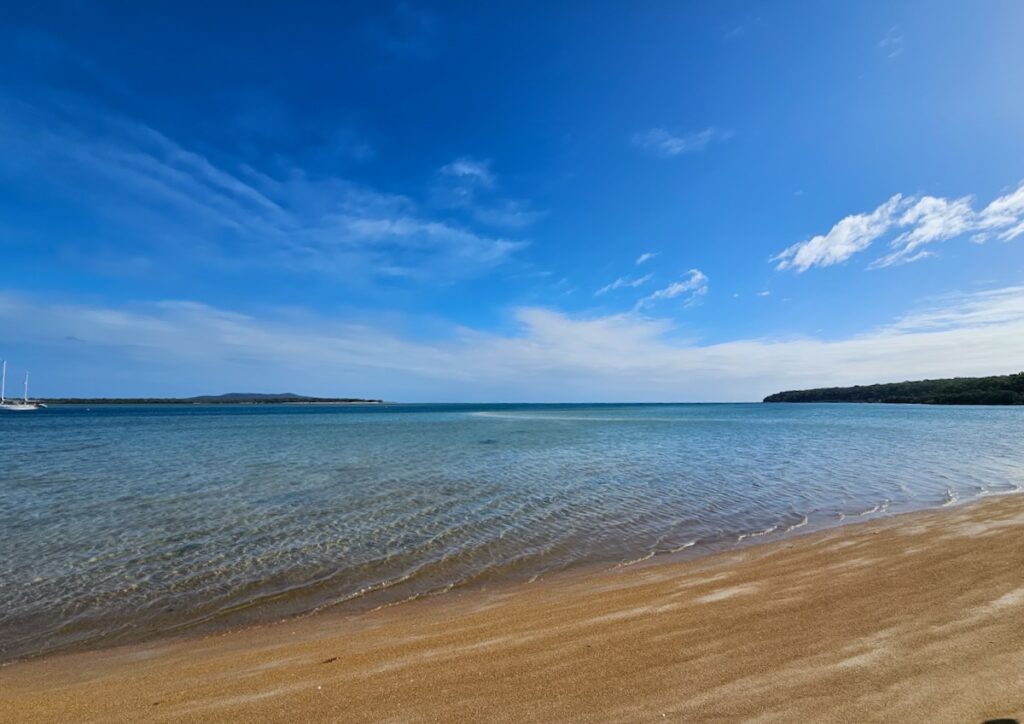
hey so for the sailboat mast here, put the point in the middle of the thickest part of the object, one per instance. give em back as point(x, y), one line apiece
point(3, 384)
point(26, 387)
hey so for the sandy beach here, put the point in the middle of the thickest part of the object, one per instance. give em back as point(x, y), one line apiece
point(908, 618)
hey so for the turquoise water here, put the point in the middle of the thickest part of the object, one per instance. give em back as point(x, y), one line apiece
point(120, 523)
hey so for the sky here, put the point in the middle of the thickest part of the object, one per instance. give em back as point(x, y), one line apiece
point(509, 201)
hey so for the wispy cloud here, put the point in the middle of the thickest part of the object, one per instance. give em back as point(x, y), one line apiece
point(892, 44)
point(991, 307)
point(158, 191)
point(917, 222)
point(161, 348)
point(646, 256)
point(694, 285)
point(931, 219)
point(1003, 217)
point(660, 142)
point(508, 214)
point(850, 235)
point(623, 282)
point(468, 168)
point(469, 185)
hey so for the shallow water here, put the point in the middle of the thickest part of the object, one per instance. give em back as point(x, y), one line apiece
point(124, 522)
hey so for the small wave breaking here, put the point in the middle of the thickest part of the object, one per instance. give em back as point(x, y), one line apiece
point(757, 533)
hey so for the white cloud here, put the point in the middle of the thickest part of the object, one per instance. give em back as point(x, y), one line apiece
point(623, 282)
point(164, 348)
point(850, 235)
point(932, 219)
point(764, 293)
point(1005, 216)
point(919, 220)
point(694, 285)
point(662, 143)
point(470, 169)
point(646, 256)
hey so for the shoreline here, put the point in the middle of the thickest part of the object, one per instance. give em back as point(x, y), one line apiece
point(747, 622)
point(349, 607)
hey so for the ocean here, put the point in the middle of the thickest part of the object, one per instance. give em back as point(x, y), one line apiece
point(121, 523)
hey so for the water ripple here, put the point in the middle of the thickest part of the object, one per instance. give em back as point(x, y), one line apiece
point(126, 522)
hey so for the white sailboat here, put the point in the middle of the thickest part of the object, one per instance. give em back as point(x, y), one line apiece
point(22, 405)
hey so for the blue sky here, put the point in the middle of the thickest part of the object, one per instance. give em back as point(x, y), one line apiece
point(510, 201)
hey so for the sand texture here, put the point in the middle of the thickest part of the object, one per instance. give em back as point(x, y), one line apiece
point(912, 618)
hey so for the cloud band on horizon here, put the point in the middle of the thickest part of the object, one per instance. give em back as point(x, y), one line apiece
point(550, 356)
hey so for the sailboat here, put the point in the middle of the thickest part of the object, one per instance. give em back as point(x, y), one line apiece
point(22, 405)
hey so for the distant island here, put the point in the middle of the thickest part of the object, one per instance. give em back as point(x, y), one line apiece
point(997, 390)
point(231, 398)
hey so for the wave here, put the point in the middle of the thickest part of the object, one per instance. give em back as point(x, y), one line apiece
point(880, 508)
point(683, 547)
point(803, 521)
point(757, 533)
point(646, 557)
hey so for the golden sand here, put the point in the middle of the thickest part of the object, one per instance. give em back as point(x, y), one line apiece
point(915, 618)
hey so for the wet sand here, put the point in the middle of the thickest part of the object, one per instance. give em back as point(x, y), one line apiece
point(917, 617)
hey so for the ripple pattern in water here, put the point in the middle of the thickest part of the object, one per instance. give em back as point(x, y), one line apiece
point(123, 522)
